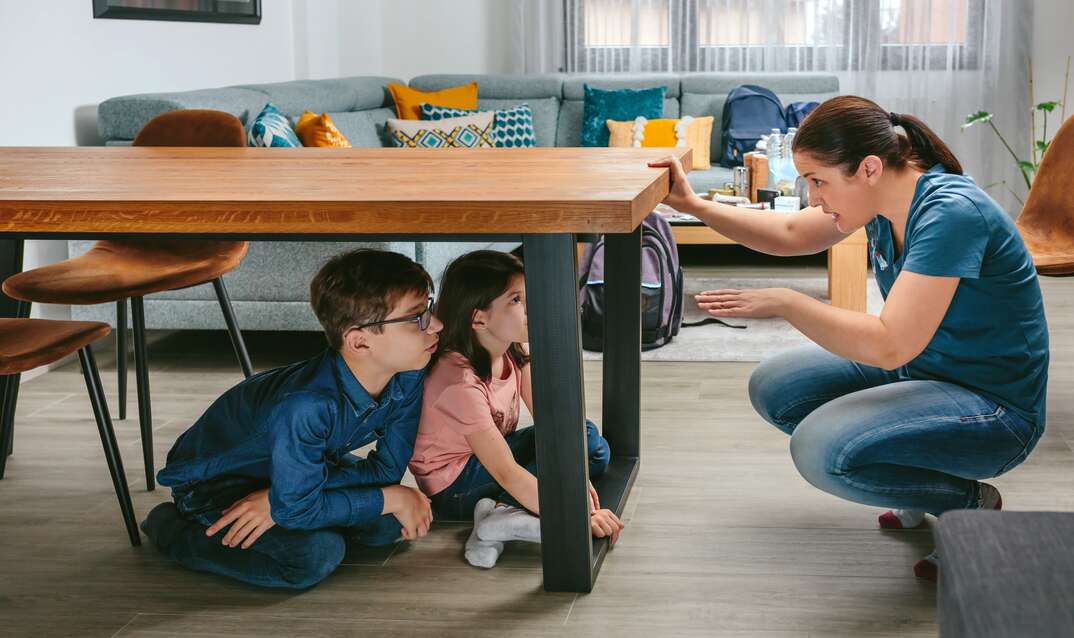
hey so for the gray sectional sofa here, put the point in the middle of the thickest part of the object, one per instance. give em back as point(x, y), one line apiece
point(270, 290)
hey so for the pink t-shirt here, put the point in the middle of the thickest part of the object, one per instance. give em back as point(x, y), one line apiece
point(456, 403)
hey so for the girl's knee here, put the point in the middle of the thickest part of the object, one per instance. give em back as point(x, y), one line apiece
point(600, 453)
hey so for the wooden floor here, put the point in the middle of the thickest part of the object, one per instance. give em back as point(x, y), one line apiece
point(723, 539)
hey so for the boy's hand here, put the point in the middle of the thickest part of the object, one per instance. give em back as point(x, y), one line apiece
point(411, 508)
point(249, 517)
point(606, 523)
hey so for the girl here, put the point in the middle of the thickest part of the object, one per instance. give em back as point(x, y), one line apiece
point(469, 457)
point(911, 409)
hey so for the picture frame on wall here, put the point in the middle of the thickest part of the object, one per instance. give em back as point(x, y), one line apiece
point(230, 11)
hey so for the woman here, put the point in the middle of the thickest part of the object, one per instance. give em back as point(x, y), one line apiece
point(911, 409)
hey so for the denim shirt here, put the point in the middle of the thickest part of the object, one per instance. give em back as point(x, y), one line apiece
point(292, 429)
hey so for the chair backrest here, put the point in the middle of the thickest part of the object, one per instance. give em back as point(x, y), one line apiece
point(1049, 210)
point(192, 127)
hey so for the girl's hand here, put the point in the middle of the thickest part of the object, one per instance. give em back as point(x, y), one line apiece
point(759, 303)
point(605, 523)
point(594, 500)
point(681, 196)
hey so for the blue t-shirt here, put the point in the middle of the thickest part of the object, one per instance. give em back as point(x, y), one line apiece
point(994, 337)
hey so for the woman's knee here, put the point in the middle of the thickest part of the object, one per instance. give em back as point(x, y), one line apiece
point(600, 453)
point(816, 449)
point(770, 386)
point(314, 560)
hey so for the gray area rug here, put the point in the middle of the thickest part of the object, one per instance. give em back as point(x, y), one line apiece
point(761, 337)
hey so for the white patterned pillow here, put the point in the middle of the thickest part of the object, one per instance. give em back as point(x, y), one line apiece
point(471, 131)
point(512, 128)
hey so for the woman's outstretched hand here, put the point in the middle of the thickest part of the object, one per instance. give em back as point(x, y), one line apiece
point(758, 303)
point(681, 196)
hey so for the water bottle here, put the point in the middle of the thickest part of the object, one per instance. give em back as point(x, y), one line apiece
point(774, 151)
point(787, 174)
point(788, 143)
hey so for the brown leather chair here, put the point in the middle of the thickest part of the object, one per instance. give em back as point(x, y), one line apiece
point(117, 270)
point(28, 343)
point(1047, 219)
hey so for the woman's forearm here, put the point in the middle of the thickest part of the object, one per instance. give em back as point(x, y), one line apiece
point(852, 335)
point(759, 230)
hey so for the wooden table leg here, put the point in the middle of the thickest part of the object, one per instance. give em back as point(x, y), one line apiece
point(847, 272)
point(559, 411)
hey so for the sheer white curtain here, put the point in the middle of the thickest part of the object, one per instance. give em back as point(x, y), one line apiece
point(937, 59)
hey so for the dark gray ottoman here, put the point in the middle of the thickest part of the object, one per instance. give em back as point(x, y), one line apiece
point(1006, 574)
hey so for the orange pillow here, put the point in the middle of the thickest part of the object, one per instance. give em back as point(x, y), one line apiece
point(319, 130)
point(408, 101)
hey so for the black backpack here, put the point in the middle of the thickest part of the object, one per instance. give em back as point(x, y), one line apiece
point(749, 113)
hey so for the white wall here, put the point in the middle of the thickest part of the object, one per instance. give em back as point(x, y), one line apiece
point(1053, 43)
point(57, 63)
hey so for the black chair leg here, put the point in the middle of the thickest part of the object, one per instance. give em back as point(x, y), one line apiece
point(108, 442)
point(121, 356)
point(9, 392)
point(141, 373)
point(233, 327)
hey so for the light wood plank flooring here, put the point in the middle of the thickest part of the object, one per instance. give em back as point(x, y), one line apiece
point(724, 537)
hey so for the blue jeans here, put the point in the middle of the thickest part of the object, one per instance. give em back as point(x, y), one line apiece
point(456, 502)
point(872, 436)
point(289, 558)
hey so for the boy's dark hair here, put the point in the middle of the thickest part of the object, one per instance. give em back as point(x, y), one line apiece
point(363, 286)
point(472, 282)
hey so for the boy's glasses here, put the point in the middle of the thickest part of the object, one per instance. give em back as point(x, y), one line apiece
point(423, 319)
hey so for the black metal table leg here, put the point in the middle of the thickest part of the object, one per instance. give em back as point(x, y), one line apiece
point(559, 411)
point(141, 373)
point(233, 328)
point(10, 264)
point(121, 356)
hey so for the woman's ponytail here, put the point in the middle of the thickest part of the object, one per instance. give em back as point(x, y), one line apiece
point(845, 130)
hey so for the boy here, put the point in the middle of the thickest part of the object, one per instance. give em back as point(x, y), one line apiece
point(265, 488)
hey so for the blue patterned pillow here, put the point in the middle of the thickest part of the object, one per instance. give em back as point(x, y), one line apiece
point(511, 128)
point(624, 105)
point(271, 128)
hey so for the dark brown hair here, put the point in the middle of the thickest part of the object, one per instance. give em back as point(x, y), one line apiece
point(472, 282)
point(846, 129)
point(362, 286)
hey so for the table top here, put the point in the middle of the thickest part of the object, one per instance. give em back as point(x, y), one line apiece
point(327, 190)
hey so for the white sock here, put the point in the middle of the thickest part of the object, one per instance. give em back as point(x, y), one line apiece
point(989, 497)
point(481, 553)
point(508, 523)
point(909, 518)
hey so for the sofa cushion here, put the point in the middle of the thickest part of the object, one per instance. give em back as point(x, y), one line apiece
point(715, 177)
point(120, 118)
point(408, 101)
point(342, 94)
point(319, 130)
point(705, 93)
point(468, 131)
point(569, 126)
point(545, 115)
point(512, 87)
point(574, 85)
point(600, 106)
point(272, 129)
point(511, 128)
point(665, 132)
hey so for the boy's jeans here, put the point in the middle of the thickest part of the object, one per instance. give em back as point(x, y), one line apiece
point(870, 436)
point(279, 558)
point(456, 502)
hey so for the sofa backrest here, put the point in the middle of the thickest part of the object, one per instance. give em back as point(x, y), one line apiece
point(360, 106)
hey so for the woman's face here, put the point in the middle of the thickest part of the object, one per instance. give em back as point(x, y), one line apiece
point(847, 199)
point(505, 318)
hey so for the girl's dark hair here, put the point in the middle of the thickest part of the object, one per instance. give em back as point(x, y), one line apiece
point(471, 283)
point(846, 129)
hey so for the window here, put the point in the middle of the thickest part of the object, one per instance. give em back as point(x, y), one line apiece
point(738, 35)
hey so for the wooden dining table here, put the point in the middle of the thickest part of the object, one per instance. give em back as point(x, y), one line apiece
point(542, 197)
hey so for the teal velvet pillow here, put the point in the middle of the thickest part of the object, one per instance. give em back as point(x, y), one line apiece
point(623, 105)
point(512, 128)
point(271, 128)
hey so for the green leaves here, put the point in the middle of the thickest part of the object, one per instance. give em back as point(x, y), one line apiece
point(1042, 146)
point(1026, 166)
point(1048, 107)
point(976, 118)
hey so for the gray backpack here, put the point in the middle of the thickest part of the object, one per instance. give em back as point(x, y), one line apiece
point(661, 288)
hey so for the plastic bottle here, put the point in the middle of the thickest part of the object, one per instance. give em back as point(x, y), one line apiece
point(787, 174)
point(774, 151)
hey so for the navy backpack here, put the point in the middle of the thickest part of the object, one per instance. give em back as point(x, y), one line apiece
point(797, 111)
point(749, 113)
point(661, 288)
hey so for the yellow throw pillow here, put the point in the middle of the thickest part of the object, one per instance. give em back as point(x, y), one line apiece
point(408, 101)
point(319, 130)
point(693, 132)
